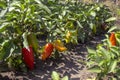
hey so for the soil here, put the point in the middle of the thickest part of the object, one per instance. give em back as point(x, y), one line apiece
point(71, 63)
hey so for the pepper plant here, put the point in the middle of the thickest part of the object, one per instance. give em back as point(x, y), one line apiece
point(80, 20)
point(106, 58)
point(69, 22)
point(18, 17)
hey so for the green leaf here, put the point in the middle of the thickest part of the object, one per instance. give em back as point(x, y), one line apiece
point(15, 5)
point(95, 69)
point(94, 29)
point(98, 8)
point(101, 62)
point(41, 5)
point(25, 42)
point(3, 27)
point(7, 49)
point(55, 76)
point(112, 28)
point(64, 13)
point(112, 66)
point(93, 13)
point(118, 37)
point(65, 78)
point(79, 24)
point(111, 19)
point(89, 63)
point(104, 52)
point(2, 4)
point(3, 12)
point(90, 50)
point(118, 72)
point(115, 51)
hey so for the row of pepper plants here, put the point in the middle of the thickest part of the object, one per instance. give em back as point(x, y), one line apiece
point(22, 22)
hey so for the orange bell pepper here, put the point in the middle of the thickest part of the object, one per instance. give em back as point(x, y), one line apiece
point(113, 39)
point(47, 51)
point(59, 46)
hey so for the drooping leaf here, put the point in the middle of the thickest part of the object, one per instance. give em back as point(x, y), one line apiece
point(25, 42)
point(3, 12)
point(112, 28)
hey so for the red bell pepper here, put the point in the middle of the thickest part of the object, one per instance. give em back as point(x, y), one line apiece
point(28, 57)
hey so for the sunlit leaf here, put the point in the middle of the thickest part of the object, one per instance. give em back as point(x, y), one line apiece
point(15, 5)
point(65, 78)
point(112, 28)
point(3, 12)
point(115, 51)
point(112, 66)
point(98, 8)
point(91, 79)
point(95, 69)
point(41, 5)
point(79, 24)
point(64, 13)
point(104, 52)
point(111, 19)
point(92, 13)
point(91, 50)
point(55, 76)
point(25, 42)
point(3, 27)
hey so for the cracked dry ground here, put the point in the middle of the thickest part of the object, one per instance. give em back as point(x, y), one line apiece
point(71, 64)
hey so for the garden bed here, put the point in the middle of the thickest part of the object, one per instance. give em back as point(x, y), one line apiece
point(71, 64)
point(40, 37)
